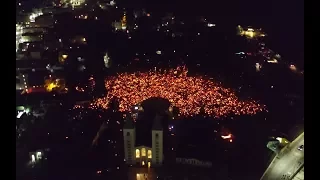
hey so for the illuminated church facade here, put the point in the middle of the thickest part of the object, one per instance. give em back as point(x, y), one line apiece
point(139, 154)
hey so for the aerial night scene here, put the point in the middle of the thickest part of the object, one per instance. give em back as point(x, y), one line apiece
point(159, 90)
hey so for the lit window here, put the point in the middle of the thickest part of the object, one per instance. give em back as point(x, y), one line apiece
point(143, 152)
point(143, 163)
point(149, 164)
point(137, 153)
point(149, 154)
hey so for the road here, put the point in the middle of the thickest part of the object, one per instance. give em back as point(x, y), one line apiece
point(287, 162)
point(300, 175)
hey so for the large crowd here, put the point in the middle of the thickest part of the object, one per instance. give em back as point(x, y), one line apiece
point(189, 94)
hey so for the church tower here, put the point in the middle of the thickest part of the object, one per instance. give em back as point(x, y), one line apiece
point(157, 142)
point(129, 137)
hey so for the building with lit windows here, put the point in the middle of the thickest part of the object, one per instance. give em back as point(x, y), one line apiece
point(19, 32)
point(124, 22)
point(21, 82)
point(250, 33)
point(73, 3)
point(143, 147)
point(76, 3)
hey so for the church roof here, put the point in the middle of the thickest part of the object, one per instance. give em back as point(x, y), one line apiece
point(143, 132)
point(128, 122)
point(157, 123)
point(144, 129)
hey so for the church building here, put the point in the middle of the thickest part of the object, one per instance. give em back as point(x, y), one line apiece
point(143, 142)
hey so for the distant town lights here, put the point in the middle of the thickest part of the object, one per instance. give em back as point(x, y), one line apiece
point(258, 67)
point(293, 67)
point(226, 137)
point(33, 158)
point(112, 3)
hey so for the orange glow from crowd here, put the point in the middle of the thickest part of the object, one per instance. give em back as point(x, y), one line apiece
point(189, 94)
